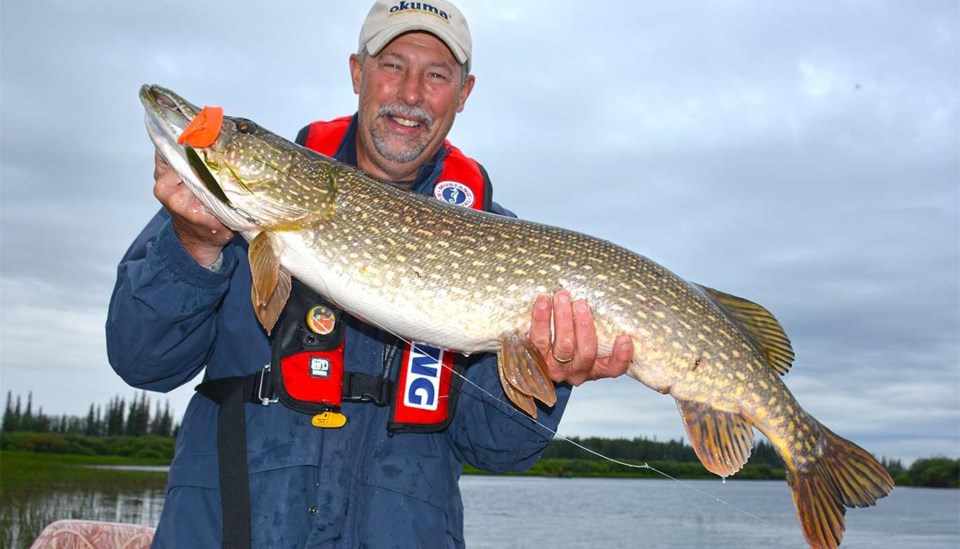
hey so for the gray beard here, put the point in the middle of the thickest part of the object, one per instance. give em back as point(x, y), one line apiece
point(402, 156)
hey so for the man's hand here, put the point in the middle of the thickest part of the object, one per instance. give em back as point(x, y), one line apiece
point(202, 235)
point(571, 355)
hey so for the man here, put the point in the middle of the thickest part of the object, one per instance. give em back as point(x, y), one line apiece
point(182, 303)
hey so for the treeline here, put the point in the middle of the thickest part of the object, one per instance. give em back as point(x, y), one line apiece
point(152, 447)
point(642, 449)
point(676, 458)
point(118, 418)
point(565, 457)
point(934, 472)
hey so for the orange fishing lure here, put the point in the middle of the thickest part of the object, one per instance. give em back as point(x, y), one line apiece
point(203, 130)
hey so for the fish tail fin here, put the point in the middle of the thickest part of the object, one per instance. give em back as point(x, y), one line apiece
point(844, 475)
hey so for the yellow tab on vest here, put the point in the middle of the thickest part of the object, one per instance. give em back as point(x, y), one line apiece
point(329, 420)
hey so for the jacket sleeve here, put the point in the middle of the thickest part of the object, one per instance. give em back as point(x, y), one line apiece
point(161, 323)
point(488, 431)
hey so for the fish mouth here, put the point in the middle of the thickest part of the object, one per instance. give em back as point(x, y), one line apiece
point(168, 111)
point(166, 114)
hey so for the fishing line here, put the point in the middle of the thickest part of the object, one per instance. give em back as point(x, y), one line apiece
point(516, 413)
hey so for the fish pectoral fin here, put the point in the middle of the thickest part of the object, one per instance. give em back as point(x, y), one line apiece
point(760, 324)
point(269, 312)
point(270, 284)
point(722, 440)
point(523, 368)
point(264, 267)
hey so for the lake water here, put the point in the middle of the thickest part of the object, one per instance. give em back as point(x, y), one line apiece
point(574, 513)
point(522, 512)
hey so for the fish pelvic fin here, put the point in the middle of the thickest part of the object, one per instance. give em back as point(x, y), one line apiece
point(524, 374)
point(760, 325)
point(270, 285)
point(520, 400)
point(843, 475)
point(722, 440)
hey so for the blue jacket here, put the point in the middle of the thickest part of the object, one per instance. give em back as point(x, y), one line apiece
point(357, 486)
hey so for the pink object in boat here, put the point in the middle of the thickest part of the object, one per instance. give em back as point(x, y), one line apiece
point(87, 534)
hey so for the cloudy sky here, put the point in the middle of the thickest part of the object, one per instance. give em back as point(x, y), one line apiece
point(801, 154)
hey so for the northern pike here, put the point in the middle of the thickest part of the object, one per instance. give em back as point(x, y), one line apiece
point(466, 280)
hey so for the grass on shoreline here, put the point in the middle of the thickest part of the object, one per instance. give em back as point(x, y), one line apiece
point(31, 472)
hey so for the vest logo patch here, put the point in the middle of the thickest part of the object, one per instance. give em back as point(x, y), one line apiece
point(422, 387)
point(319, 367)
point(454, 193)
point(321, 320)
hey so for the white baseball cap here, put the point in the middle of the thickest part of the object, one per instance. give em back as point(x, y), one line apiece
point(389, 19)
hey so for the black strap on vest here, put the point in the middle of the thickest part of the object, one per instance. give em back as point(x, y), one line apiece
point(231, 445)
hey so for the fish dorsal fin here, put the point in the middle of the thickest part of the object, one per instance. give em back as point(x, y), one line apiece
point(270, 284)
point(760, 325)
point(722, 440)
point(523, 373)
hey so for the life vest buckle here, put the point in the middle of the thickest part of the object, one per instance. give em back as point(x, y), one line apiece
point(265, 387)
point(359, 387)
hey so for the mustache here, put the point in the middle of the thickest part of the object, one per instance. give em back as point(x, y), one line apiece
point(407, 111)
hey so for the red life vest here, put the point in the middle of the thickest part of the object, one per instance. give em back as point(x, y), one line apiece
point(310, 377)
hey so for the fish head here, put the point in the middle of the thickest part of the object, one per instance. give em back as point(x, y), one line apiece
point(248, 177)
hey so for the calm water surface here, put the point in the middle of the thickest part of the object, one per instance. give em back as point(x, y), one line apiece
point(514, 512)
point(572, 513)
point(23, 521)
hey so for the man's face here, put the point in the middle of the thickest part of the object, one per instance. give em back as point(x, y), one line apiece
point(410, 94)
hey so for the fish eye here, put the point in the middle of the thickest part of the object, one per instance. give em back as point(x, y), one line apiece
point(246, 126)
